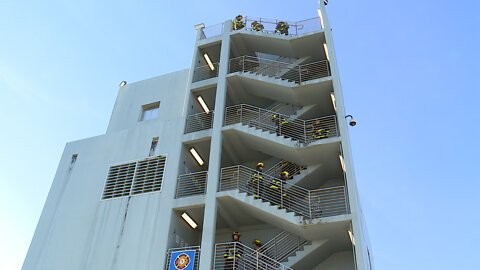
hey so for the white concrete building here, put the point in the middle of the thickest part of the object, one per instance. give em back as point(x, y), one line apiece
point(117, 199)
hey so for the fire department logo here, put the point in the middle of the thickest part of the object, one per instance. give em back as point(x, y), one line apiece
point(182, 261)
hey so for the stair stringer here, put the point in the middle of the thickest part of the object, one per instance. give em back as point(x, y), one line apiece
point(278, 146)
point(298, 178)
point(301, 111)
point(282, 90)
point(288, 221)
point(317, 251)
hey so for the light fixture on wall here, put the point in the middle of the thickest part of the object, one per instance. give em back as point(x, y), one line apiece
point(352, 121)
point(332, 96)
point(196, 156)
point(342, 162)
point(321, 17)
point(326, 51)
point(209, 62)
point(350, 234)
point(189, 220)
point(123, 83)
point(203, 104)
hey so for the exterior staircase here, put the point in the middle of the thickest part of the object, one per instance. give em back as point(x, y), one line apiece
point(291, 73)
point(301, 131)
point(291, 202)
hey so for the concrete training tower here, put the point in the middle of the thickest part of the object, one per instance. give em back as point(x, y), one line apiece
point(176, 168)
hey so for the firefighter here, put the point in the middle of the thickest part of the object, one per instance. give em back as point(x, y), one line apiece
point(257, 26)
point(282, 27)
point(238, 23)
point(233, 252)
point(321, 133)
point(276, 190)
point(257, 244)
point(281, 123)
point(255, 186)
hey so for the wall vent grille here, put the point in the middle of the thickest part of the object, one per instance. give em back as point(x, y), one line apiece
point(149, 175)
point(119, 180)
point(134, 178)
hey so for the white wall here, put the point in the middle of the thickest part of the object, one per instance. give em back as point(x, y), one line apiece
point(79, 231)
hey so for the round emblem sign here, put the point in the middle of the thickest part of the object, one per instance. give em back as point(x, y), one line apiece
point(182, 261)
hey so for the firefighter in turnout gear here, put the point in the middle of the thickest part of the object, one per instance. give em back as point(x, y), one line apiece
point(282, 27)
point(320, 131)
point(257, 244)
point(276, 190)
point(233, 252)
point(281, 122)
point(255, 186)
point(257, 26)
point(238, 23)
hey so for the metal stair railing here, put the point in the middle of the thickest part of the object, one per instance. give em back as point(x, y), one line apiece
point(284, 165)
point(271, 121)
point(295, 28)
point(280, 70)
point(212, 30)
point(191, 184)
point(196, 259)
point(199, 121)
point(235, 255)
point(307, 203)
point(283, 245)
point(205, 72)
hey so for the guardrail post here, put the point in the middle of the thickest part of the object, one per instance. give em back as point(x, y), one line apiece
point(241, 113)
point(309, 204)
point(300, 74)
point(243, 63)
point(305, 131)
point(281, 194)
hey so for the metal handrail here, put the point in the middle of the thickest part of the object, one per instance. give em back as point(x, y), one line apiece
point(212, 30)
point(283, 245)
point(303, 131)
point(284, 165)
point(197, 256)
point(191, 184)
point(295, 28)
point(198, 121)
point(235, 255)
point(205, 72)
point(280, 70)
point(310, 204)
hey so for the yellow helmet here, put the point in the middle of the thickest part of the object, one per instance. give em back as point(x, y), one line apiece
point(285, 172)
point(235, 233)
point(239, 17)
point(260, 164)
point(257, 242)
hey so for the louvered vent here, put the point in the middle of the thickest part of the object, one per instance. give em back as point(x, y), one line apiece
point(146, 176)
point(149, 175)
point(119, 180)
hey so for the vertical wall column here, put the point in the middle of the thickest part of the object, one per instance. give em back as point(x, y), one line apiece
point(168, 190)
point(342, 125)
point(210, 214)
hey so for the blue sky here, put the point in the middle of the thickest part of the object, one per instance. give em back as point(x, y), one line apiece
point(410, 75)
